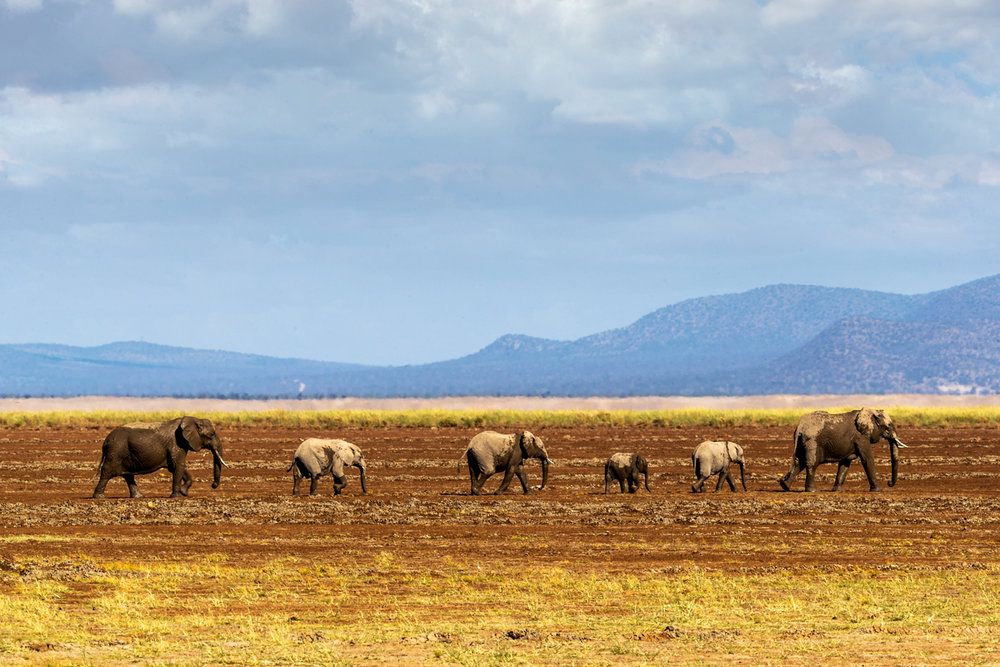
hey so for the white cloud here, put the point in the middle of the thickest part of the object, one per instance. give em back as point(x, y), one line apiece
point(718, 149)
point(19, 6)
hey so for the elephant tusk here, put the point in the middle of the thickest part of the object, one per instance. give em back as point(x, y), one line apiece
point(222, 461)
point(899, 443)
point(551, 462)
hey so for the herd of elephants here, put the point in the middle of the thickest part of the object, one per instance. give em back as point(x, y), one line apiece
point(820, 437)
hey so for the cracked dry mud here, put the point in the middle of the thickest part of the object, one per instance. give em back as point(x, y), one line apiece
point(944, 512)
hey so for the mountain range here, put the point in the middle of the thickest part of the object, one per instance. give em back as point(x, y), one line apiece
point(779, 339)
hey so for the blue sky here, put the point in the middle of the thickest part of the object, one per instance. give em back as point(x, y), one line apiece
point(397, 182)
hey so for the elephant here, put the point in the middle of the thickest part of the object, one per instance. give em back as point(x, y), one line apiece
point(316, 457)
point(144, 448)
point(821, 437)
point(714, 456)
point(490, 452)
point(622, 467)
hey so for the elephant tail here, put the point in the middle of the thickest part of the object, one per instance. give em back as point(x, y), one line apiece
point(100, 466)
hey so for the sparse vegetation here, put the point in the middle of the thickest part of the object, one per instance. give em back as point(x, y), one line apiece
point(291, 610)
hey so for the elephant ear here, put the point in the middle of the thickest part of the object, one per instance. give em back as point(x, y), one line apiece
point(865, 423)
point(190, 436)
point(338, 465)
point(640, 463)
point(532, 447)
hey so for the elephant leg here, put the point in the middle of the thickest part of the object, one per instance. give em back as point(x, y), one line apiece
point(186, 482)
point(621, 484)
point(133, 490)
point(507, 477)
point(296, 479)
point(338, 484)
point(729, 480)
point(473, 477)
point(179, 470)
point(792, 473)
point(313, 483)
point(699, 485)
point(842, 467)
point(607, 479)
point(103, 482)
point(720, 481)
point(632, 484)
point(477, 483)
point(523, 478)
point(868, 463)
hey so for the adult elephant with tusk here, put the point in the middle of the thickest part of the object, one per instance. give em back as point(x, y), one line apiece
point(821, 437)
point(491, 452)
point(141, 448)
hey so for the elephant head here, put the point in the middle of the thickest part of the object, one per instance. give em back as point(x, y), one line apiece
point(642, 465)
point(532, 447)
point(875, 425)
point(193, 434)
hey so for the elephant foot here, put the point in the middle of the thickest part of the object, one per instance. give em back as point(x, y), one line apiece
point(784, 484)
point(875, 489)
point(98, 495)
point(810, 489)
point(175, 494)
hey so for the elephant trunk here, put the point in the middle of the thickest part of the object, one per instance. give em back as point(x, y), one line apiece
point(545, 473)
point(217, 464)
point(645, 476)
point(364, 487)
point(894, 446)
point(743, 479)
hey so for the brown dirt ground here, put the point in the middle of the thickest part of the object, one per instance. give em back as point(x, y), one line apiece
point(945, 510)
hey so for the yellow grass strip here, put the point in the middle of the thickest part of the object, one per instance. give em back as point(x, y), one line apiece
point(476, 418)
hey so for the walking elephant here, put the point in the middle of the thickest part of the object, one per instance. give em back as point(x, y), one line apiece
point(144, 448)
point(316, 457)
point(626, 468)
point(821, 437)
point(716, 457)
point(491, 452)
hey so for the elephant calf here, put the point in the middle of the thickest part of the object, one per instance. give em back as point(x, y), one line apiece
point(626, 467)
point(316, 457)
point(715, 457)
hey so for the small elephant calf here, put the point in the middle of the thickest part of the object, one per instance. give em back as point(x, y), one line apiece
point(316, 457)
point(711, 457)
point(626, 467)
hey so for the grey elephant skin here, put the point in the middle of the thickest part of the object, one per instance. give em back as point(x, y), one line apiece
point(822, 437)
point(717, 457)
point(490, 452)
point(626, 468)
point(145, 447)
point(316, 457)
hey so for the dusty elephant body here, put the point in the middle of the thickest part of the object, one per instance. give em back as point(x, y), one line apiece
point(145, 447)
point(716, 457)
point(490, 452)
point(316, 457)
point(626, 468)
point(821, 437)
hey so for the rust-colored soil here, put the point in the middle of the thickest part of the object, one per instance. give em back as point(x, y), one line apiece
point(944, 511)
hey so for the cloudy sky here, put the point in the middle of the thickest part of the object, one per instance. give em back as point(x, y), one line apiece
point(403, 181)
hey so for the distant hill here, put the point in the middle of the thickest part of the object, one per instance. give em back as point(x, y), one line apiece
point(777, 339)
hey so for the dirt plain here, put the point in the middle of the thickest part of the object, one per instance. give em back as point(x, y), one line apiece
point(943, 513)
